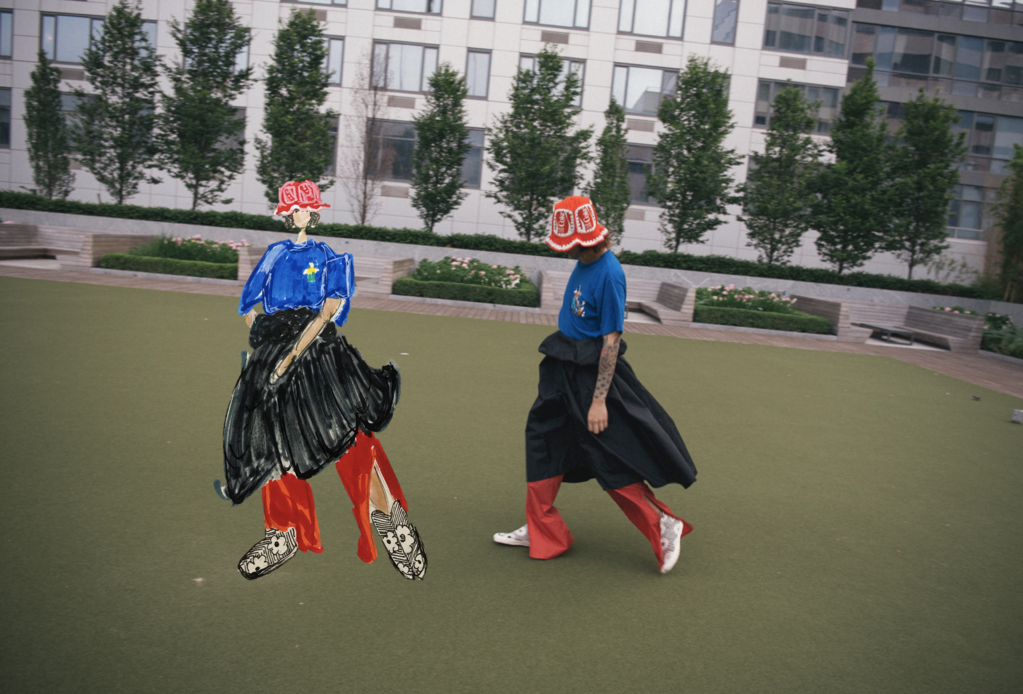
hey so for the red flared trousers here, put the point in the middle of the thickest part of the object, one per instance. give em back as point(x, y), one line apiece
point(288, 501)
point(550, 537)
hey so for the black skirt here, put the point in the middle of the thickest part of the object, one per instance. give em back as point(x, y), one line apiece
point(308, 417)
point(641, 442)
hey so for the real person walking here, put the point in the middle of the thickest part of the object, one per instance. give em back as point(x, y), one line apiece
point(306, 399)
point(592, 418)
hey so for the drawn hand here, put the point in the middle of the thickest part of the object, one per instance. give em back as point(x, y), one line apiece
point(596, 421)
point(284, 365)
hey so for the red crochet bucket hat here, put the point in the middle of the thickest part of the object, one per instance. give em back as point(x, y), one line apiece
point(574, 222)
point(294, 196)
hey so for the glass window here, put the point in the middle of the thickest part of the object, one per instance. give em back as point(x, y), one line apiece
point(640, 158)
point(335, 58)
point(640, 89)
point(5, 117)
point(423, 6)
point(969, 58)
point(472, 168)
point(149, 29)
point(528, 62)
point(65, 37)
point(403, 67)
point(6, 33)
point(725, 14)
point(767, 92)
point(241, 61)
point(324, 2)
point(483, 9)
point(574, 14)
point(805, 29)
point(477, 73)
point(652, 17)
point(392, 147)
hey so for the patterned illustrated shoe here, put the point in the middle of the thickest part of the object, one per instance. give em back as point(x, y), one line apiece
point(516, 538)
point(269, 553)
point(672, 532)
point(404, 548)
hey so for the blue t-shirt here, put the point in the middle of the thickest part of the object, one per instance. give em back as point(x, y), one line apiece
point(594, 302)
point(294, 275)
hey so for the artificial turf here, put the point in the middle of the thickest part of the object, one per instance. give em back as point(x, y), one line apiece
point(856, 521)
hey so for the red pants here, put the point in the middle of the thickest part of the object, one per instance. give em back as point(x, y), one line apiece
point(549, 537)
point(288, 502)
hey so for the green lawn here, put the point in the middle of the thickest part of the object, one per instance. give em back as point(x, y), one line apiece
point(857, 522)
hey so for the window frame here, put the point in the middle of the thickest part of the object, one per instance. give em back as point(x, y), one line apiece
point(804, 87)
point(649, 202)
point(10, 37)
point(10, 102)
point(43, 16)
point(735, 23)
point(817, 9)
point(483, 152)
point(438, 13)
point(630, 66)
point(423, 78)
point(484, 51)
point(484, 18)
point(668, 35)
point(341, 67)
point(575, 14)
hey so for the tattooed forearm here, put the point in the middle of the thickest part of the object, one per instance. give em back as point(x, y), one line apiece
point(606, 369)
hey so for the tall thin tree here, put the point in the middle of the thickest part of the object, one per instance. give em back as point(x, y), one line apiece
point(778, 193)
point(852, 213)
point(364, 162)
point(691, 177)
point(113, 128)
point(924, 172)
point(199, 138)
point(49, 143)
point(1009, 215)
point(609, 189)
point(299, 144)
point(535, 150)
point(442, 142)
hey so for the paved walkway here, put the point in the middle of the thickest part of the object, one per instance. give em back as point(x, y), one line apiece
point(989, 372)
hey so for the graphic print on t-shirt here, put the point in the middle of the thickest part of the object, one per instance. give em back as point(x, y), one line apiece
point(578, 305)
point(310, 272)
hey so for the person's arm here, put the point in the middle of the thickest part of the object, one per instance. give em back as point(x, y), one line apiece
point(326, 315)
point(596, 421)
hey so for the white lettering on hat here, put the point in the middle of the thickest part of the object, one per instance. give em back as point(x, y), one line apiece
point(562, 223)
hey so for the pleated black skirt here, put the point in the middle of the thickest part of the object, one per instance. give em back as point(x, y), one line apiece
point(308, 417)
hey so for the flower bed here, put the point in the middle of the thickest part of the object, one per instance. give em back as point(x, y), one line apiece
point(1001, 335)
point(192, 257)
point(468, 279)
point(749, 308)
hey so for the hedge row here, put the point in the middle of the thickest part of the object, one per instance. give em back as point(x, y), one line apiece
point(486, 242)
point(1007, 341)
point(527, 296)
point(797, 322)
point(169, 266)
point(748, 268)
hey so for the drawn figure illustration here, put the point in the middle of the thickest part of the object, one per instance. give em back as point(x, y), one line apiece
point(592, 417)
point(306, 398)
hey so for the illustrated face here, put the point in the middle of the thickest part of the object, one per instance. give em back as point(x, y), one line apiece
point(301, 218)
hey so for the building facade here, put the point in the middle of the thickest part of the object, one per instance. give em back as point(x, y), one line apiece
point(632, 49)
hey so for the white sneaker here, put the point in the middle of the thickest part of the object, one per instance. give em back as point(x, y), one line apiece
point(516, 538)
point(672, 530)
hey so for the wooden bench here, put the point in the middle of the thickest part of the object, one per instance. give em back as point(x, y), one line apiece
point(374, 274)
point(671, 304)
point(955, 332)
point(28, 241)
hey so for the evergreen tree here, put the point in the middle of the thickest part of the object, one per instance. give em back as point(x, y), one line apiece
point(690, 177)
point(923, 173)
point(1009, 215)
point(534, 153)
point(778, 192)
point(113, 128)
point(200, 139)
point(852, 214)
point(610, 188)
point(298, 145)
point(441, 145)
point(48, 138)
